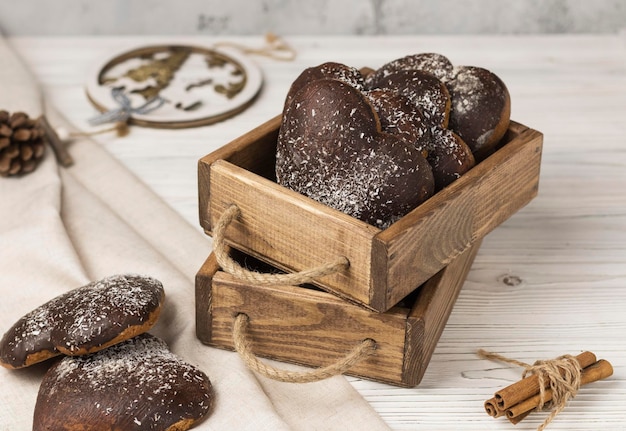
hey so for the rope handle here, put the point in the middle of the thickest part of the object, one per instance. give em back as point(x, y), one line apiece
point(221, 250)
point(243, 347)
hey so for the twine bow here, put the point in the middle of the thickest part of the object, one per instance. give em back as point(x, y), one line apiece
point(125, 109)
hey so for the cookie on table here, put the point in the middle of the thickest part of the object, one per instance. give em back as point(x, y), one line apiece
point(135, 385)
point(84, 320)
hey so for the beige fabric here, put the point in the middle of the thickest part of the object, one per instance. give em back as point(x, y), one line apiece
point(61, 228)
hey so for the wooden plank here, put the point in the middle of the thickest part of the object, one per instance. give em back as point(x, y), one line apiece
point(571, 239)
point(308, 327)
point(203, 289)
point(431, 236)
point(291, 231)
point(254, 151)
point(429, 315)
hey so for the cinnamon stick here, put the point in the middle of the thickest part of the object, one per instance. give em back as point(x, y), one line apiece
point(592, 373)
point(517, 419)
point(492, 409)
point(529, 386)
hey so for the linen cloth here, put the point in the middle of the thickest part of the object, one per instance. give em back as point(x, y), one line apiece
point(61, 228)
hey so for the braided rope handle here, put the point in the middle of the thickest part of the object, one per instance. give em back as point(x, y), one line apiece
point(242, 346)
point(221, 250)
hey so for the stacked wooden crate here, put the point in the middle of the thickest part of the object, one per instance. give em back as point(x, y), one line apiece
point(400, 284)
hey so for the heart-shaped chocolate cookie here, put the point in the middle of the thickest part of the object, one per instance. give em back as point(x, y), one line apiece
point(448, 156)
point(135, 385)
point(481, 108)
point(84, 320)
point(331, 149)
point(332, 70)
point(422, 88)
point(400, 117)
point(432, 62)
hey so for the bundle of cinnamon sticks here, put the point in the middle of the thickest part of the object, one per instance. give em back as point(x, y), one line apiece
point(518, 400)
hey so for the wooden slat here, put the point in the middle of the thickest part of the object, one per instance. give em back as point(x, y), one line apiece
point(429, 314)
point(571, 239)
point(203, 289)
point(290, 231)
point(308, 327)
point(254, 151)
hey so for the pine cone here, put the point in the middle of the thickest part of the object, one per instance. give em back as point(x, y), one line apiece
point(22, 143)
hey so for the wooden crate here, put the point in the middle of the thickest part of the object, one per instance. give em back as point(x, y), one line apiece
point(314, 328)
point(293, 232)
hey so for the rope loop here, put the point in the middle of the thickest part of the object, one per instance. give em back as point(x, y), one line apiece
point(243, 347)
point(221, 250)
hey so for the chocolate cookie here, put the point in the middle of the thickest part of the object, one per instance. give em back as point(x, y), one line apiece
point(331, 149)
point(481, 108)
point(400, 117)
point(448, 155)
point(437, 64)
point(332, 70)
point(423, 89)
point(84, 320)
point(135, 385)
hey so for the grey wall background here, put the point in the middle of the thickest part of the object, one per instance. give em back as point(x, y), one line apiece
point(245, 17)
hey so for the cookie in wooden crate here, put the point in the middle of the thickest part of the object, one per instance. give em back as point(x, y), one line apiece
point(332, 149)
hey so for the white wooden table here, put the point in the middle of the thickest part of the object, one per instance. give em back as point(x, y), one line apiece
point(551, 280)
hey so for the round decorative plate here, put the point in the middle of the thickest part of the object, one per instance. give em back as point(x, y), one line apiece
point(197, 86)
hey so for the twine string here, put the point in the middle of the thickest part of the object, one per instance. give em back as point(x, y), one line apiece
point(243, 347)
point(562, 375)
point(275, 48)
point(221, 250)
